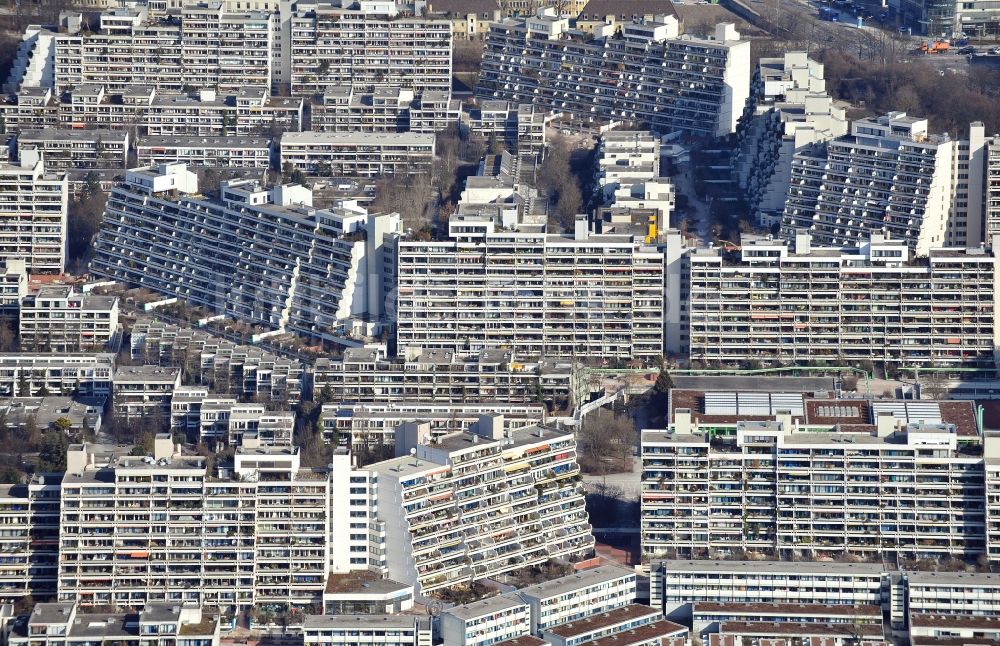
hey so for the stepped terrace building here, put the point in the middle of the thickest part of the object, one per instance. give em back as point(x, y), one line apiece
point(335, 46)
point(650, 75)
point(772, 301)
point(889, 175)
point(472, 506)
point(162, 528)
point(781, 474)
point(262, 256)
point(552, 295)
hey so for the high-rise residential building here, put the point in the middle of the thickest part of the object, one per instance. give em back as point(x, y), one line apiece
point(789, 109)
point(471, 506)
point(628, 173)
point(772, 301)
point(374, 46)
point(33, 214)
point(783, 475)
point(57, 319)
point(262, 256)
point(13, 283)
point(163, 528)
point(550, 295)
point(991, 215)
point(648, 75)
point(889, 175)
point(209, 46)
point(29, 513)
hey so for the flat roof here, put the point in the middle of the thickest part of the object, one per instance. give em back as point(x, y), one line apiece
point(321, 622)
point(576, 581)
point(207, 142)
point(765, 567)
point(929, 620)
point(362, 581)
point(952, 578)
point(806, 609)
point(754, 384)
point(603, 621)
point(642, 634)
point(384, 138)
point(140, 374)
point(798, 628)
point(485, 606)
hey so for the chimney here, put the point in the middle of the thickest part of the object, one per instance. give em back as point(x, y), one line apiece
point(163, 446)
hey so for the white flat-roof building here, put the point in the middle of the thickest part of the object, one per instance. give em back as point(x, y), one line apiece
point(628, 172)
point(57, 319)
point(145, 391)
point(798, 302)
point(377, 630)
point(578, 595)
point(389, 109)
point(76, 149)
point(33, 214)
point(24, 374)
point(185, 548)
point(365, 154)
point(211, 152)
point(486, 622)
point(13, 283)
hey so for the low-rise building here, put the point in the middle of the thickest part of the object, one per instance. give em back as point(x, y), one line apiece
point(144, 392)
point(632, 624)
point(26, 374)
point(470, 19)
point(377, 630)
point(938, 630)
point(628, 173)
point(365, 592)
point(156, 624)
point(57, 319)
point(251, 112)
point(367, 423)
point(708, 616)
point(953, 593)
point(396, 109)
point(519, 127)
point(73, 417)
point(365, 154)
point(578, 595)
point(75, 149)
point(368, 375)
point(209, 152)
point(486, 622)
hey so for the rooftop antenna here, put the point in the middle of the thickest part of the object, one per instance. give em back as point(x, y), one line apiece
point(413, 454)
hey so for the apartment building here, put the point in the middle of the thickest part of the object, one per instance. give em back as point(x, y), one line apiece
point(813, 477)
point(369, 375)
point(991, 214)
point(578, 595)
point(709, 617)
point(789, 109)
point(209, 45)
point(371, 423)
point(576, 295)
point(156, 624)
point(377, 630)
point(519, 127)
point(634, 624)
point(889, 175)
point(30, 541)
point(145, 392)
point(91, 105)
point(334, 45)
point(137, 530)
point(250, 112)
point(677, 587)
point(927, 630)
point(385, 109)
point(953, 593)
point(25, 374)
point(262, 256)
point(210, 152)
point(364, 154)
point(630, 77)
point(222, 421)
point(29, 107)
point(33, 214)
point(248, 372)
point(469, 507)
point(468, 19)
point(772, 301)
point(13, 283)
point(57, 319)
point(486, 622)
point(73, 149)
point(365, 592)
point(628, 174)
